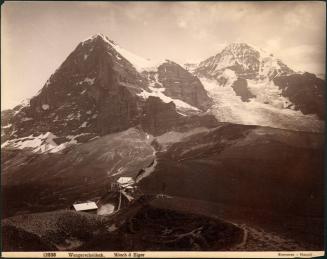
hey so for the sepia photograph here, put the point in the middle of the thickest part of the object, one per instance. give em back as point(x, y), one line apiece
point(162, 129)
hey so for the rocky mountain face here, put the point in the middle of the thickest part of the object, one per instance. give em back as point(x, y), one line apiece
point(99, 89)
point(159, 117)
point(306, 91)
point(85, 95)
point(240, 87)
point(180, 84)
point(102, 88)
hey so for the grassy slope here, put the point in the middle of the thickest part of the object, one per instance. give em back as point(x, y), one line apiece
point(35, 183)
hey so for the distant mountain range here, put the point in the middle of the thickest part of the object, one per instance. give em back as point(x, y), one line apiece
point(240, 129)
point(102, 88)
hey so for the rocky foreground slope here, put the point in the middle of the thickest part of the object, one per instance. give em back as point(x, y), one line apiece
point(271, 173)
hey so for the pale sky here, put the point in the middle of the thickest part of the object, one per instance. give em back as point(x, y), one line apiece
point(38, 36)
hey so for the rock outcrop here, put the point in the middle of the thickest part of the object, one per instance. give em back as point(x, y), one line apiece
point(240, 86)
point(159, 117)
point(305, 91)
point(181, 84)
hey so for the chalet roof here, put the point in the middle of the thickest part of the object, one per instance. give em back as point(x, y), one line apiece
point(85, 206)
point(125, 181)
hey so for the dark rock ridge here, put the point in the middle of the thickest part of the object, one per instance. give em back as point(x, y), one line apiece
point(88, 93)
point(305, 91)
point(160, 117)
point(240, 87)
point(181, 84)
point(95, 91)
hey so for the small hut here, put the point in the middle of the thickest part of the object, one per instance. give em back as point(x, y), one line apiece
point(126, 182)
point(89, 206)
point(122, 183)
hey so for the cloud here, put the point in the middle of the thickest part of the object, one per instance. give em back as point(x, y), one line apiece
point(182, 23)
point(305, 57)
point(273, 44)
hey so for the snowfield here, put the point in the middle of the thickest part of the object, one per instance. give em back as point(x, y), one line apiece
point(39, 144)
point(43, 143)
point(228, 107)
point(139, 63)
point(159, 92)
point(267, 92)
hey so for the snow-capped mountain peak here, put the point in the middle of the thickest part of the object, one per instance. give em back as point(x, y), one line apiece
point(139, 63)
point(102, 88)
point(246, 60)
point(247, 83)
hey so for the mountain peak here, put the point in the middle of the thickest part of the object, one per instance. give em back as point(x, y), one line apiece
point(236, 47)
point(99, 37)
point(241, 46)
point(238, 44)
point(248, 61)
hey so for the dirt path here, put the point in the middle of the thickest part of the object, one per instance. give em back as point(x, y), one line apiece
point(256, 239)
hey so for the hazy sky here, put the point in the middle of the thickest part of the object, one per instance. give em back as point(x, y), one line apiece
point(38, 36)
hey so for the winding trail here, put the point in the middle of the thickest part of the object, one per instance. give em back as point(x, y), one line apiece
point(256, 239)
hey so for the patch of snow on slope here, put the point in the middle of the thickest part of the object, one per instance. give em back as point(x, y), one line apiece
point(228, 107)
point(42, 143)
point(83, 125)
point(230, 76)
point(89, 81)
point(269, 93)
point(27, 119)
point(190, 67)
point(7, 126)
point(158, 92)
point(268, 62)
point(45, 106)
point(24, 103)
point(140, 64)
point(225, 61)
point(267, 66)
